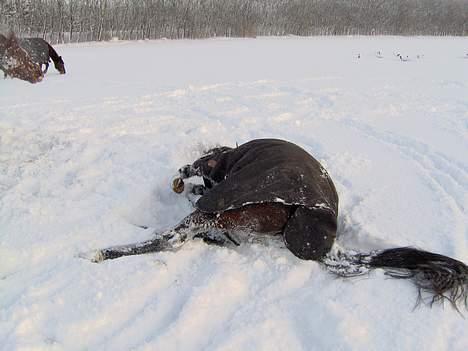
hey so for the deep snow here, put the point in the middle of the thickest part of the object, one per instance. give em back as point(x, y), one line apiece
point(85, 156)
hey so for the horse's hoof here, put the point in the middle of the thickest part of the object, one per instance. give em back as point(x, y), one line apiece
point(98, 257)
point(93, 256)
point(178, 185)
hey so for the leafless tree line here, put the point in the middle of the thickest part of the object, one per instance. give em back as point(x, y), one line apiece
point(91, 20)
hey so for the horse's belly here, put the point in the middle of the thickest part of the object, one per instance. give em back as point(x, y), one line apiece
point(267, 218)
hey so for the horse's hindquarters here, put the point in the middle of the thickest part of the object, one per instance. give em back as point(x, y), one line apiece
point(310, 233)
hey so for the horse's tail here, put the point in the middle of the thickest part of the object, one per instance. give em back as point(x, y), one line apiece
point(442, 277)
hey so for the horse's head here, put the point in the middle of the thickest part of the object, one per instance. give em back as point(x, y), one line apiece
point(17, 63)
point(60, 65)
point(211, 156)
point(212, 161)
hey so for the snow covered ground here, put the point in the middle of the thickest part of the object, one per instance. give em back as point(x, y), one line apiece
point(85, 156)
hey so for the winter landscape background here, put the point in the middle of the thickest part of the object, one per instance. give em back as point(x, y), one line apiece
point(63, 21)
point(85, 156)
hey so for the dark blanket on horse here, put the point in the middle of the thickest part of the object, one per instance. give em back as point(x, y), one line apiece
point(274, 171)
point(265, 170)
point(37, 48)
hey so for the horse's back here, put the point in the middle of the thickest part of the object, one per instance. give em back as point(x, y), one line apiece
point(37, 48)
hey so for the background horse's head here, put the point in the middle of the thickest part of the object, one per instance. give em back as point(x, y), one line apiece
point(16, 62)
point(60, 65)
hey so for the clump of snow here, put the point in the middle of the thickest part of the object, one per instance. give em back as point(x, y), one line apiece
point(86, 157)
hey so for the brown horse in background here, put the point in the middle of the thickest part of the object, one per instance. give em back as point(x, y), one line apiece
point(42, 52)
point(16, 62)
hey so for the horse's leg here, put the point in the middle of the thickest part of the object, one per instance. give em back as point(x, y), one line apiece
point(46, 67)
point(167, 241)
point(110, 253)
point(195, 223)
point(213, 228)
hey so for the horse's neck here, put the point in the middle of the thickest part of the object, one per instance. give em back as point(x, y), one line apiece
point(53, 54)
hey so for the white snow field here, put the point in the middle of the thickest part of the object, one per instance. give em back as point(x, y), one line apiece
point(86, 156)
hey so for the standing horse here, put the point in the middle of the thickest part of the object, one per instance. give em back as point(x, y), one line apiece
point(16, 62)
point(41, 52)
point(273, 187)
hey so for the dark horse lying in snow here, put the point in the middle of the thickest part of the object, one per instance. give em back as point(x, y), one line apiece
point(273, 187)
point(41, 52)
point(16, 62)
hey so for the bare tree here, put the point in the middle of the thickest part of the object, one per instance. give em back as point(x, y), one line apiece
point(89, 20)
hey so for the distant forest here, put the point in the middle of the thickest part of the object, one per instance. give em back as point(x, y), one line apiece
point(94, 20)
